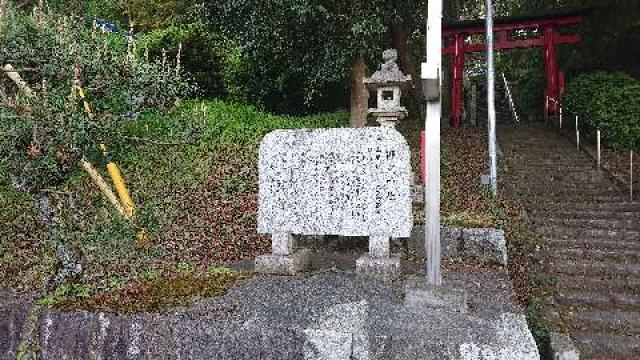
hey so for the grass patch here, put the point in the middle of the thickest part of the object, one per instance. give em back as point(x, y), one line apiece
point(152, 295)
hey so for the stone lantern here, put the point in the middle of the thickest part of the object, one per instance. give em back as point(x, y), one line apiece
point(388, 83)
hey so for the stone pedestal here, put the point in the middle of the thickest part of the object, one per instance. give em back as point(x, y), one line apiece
point(284, 258)
point(292, 264)
point(379, 263)
point(420, 294)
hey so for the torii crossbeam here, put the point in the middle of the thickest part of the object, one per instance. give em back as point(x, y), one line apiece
point(511, 33)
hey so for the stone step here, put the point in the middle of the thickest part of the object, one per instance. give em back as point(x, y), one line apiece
point(548, 176)
point(597, 254)
point(562, 231)
point(544, 181)
point(617, 322)
point(598, 299)
point(594, 345)
point(581, 282)
point(593, 243)
point(592, 214)
point(594, 267)
point(555, 193)
point(624, 206)
point(614, 224)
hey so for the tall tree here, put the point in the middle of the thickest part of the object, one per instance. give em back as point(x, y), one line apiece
point(316, 48)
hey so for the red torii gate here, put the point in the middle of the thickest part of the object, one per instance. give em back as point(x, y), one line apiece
point(457, 43)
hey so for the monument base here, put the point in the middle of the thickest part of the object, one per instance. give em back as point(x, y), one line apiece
point(293, 264)
point(386, 268)
point(420, 294)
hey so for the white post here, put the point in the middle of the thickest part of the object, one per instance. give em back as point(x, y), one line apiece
point(631, 175)
point(560, 117)
point(577, 134)
point(598, 148)
point(493, 169)
point(431, 72)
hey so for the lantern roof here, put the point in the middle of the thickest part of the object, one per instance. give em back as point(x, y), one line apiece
point(389, 73)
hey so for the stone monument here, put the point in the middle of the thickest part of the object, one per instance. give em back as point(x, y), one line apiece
point(388, 83)
point(345, 181)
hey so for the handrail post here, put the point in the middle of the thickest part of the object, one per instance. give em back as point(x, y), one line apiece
point(577, 134)
point(598, 157)
point(561, 118)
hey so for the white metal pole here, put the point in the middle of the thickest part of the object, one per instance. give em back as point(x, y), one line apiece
point(560, 117)
point(493, 170)
point(431, 72)
point(577, 134)
point(598, 156)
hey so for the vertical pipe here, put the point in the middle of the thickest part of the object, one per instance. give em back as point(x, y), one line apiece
point(631, 175)
point(493, 172)
point(432, 145)
point(598, 156)
point(577, 134)
point(560, 117)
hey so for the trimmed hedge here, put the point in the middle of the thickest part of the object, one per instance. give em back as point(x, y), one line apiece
point(609, 102)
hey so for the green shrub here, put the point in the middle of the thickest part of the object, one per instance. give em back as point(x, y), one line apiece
point(203, 54)
point(44, 136)
point(609, 102)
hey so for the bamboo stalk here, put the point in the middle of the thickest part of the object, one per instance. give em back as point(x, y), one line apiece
point(104, 187)
point(14, 75)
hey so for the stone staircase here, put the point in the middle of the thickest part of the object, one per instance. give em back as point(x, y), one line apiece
point(592, 233)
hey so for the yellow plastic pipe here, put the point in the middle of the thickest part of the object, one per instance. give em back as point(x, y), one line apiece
point(121, 188)
point(118, 183)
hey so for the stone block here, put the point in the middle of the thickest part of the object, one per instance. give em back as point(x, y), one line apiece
point(349, 182)
point(379, 246)
point(292, 264)
point(450, 241)
point(485, 244)
point(420, 294)
point(282, 244)
point(387, 268)
point(562, 347)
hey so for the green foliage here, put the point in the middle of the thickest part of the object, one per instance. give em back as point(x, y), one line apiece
point(44, 136)
point(203, 54)
point(212, 123)
point(524, 69)
point(295, 56)
point(65, 292)
point(538, 328)
point(609, 102)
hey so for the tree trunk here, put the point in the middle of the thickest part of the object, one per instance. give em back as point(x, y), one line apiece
point(359, 93)
point(401, 44)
